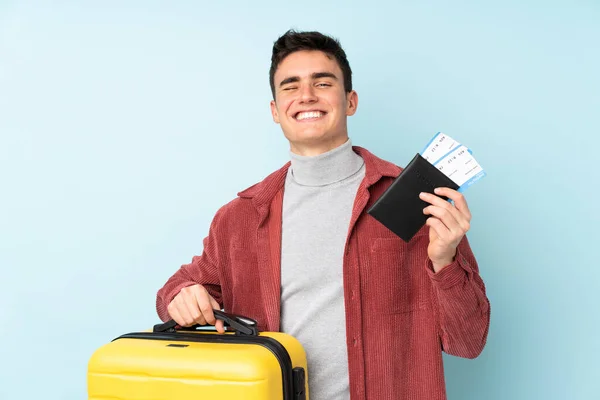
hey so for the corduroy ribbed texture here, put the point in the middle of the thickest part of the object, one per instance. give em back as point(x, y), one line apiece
point(400, 314)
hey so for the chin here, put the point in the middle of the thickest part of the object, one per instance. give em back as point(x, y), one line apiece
point(311, 135)
point(311, 140)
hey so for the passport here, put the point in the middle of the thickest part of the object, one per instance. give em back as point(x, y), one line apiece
point(443, 162)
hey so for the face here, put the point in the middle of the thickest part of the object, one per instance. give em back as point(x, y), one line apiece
point(310, 103)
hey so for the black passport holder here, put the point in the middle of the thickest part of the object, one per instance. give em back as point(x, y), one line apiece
point(400, 208)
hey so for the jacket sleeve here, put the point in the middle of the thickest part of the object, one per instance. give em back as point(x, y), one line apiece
point(462, 304)
point(203, 269)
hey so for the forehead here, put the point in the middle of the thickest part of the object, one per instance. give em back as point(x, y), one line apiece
point(304, 63)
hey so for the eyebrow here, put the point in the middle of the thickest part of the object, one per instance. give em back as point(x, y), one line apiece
point(315, 75)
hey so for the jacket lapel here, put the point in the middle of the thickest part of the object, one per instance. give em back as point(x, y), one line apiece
point(269, 266)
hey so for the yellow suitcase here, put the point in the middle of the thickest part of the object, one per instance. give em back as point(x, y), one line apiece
point(168, 363)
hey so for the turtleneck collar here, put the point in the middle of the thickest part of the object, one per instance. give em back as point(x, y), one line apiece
point(327, 168)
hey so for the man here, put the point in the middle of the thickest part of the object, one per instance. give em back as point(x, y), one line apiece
point(298, 253)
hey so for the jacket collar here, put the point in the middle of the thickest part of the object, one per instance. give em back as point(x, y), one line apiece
point(264, 191)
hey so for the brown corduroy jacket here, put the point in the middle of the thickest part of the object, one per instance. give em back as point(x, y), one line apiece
point(400, 315)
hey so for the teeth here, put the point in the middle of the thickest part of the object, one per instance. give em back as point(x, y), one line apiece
point(310, 114)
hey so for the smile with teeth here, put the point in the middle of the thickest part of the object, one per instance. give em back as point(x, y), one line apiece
point(307, 115)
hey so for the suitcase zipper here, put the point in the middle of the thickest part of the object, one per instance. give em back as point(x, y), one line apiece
point(293, 378)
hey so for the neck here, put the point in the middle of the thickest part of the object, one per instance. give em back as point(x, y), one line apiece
point(310, 150)
point(326, 167)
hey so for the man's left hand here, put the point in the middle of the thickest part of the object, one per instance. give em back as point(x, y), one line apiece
point(448, 224)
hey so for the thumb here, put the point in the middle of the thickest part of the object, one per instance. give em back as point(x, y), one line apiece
point(219, 322)
point(219, 326)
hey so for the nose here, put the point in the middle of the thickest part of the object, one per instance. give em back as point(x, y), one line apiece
point(307, 94)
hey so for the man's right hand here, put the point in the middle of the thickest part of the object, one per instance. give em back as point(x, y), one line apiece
point(193, 305)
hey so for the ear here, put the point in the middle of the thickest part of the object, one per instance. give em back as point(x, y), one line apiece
point(274, 112)
point(351, 103)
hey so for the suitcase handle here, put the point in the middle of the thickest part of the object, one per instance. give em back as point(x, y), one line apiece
point(242, 325)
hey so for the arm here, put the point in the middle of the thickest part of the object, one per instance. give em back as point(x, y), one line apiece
point(202, 270)
point(462, 305)
point(459, 292)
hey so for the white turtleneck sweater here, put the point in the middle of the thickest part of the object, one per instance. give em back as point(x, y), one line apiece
point(317, 205)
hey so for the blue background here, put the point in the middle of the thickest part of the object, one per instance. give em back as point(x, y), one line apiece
point(124, 127)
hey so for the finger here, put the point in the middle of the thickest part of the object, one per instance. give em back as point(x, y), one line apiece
point(219, 323)
point(459, 200)
point(176, 316)
point(446, 217)
point(436, 201)
point(439, 228)
point(215, 305)
point(184, 312)
point(204, 305)
point(193, 309)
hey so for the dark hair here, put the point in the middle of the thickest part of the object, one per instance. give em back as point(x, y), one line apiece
point(293, 41)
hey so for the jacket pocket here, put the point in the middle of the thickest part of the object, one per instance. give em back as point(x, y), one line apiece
point(395, 278)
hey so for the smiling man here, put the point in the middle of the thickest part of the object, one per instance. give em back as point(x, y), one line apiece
point(311, 103)
point(298, 253)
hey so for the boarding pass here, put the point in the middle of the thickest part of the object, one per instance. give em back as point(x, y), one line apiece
point(454, 160)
